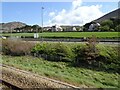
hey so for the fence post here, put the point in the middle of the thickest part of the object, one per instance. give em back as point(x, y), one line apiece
point(45, 56)
point(60, 58)
point(39, 55)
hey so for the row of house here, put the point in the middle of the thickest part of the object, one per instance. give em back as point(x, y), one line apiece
point(54, 28)
point(57, 28)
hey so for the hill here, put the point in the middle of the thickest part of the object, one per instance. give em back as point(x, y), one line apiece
point(113, 14)
point(11, 25)
point(111, 17)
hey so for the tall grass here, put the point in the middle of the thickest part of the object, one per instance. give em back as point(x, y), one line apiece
point(16, 47)
point(81, 77)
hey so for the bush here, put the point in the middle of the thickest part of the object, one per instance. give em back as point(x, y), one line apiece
point(16, 47)
point(109, 57)
point(63, 50)
point(117, 28)
point(58, 50)
point(88, 53)
point(105, 28)
point(39, 49)
point(107, 23)
point(99, 57)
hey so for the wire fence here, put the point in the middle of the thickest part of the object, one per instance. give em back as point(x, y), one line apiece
point(53, 57)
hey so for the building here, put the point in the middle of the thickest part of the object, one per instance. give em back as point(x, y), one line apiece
point(93, 27)
point(56, 28)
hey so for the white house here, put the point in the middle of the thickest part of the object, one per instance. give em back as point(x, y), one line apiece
point(57, 28)
point(74, 29)
point(93, 26)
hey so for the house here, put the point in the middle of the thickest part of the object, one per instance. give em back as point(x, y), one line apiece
point(48, 28)
point(93, 27)
point(56, 28)
point(74, 29)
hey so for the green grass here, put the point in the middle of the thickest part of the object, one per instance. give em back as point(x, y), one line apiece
point(69, 34)
point(62, 71)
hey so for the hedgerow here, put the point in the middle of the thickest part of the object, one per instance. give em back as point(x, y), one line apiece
point(88, 55)
point(61, 51)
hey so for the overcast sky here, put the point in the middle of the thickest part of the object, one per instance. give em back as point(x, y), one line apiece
point(76, 12)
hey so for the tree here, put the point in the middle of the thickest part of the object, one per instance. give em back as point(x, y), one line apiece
point(104, 28)
point(35, 28)
point(107, 23)
point(117, 28)
point(116, 21)
point(17, 29)
point(39, 29)
point(26, 28)
point(86, 26)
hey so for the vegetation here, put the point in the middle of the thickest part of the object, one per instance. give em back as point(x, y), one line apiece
point(86, 65)
point(117, 28)
point(64, 71)
point(16, 48)
point(54, 52)
point(67, 34)
point(90, 55)
point(109, 25)
point(27, 29)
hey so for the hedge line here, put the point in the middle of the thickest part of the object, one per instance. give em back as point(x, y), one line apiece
point(88, 55)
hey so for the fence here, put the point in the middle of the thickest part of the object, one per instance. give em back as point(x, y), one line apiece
point(53, 57)
point(68, 40)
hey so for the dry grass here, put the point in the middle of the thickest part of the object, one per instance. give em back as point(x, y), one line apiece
point(16, 47)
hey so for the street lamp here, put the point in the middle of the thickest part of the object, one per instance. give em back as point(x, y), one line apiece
point(42, 17)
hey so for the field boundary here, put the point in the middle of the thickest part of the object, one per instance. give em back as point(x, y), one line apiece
point(68, 40)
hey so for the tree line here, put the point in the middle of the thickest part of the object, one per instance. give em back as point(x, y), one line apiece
point(109, 25)
point(28, 29)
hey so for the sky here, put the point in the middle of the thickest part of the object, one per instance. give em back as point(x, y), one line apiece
point(76, 12)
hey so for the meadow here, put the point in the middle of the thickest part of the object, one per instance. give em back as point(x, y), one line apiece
point(67, 34)
point(81, 77)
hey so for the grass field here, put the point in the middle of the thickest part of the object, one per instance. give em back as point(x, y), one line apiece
point(69, 34)
point(63, 71)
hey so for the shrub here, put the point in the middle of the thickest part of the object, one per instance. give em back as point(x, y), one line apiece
point(57, 51)
point(105, 28)
point(117, 28)
point(102, 57)
point(108, 23)
point(16, 47)
point(88, 53)
point(109, 57)
point(39, 48)
point(112, 30)
point(106, 58)
point(63, 50)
